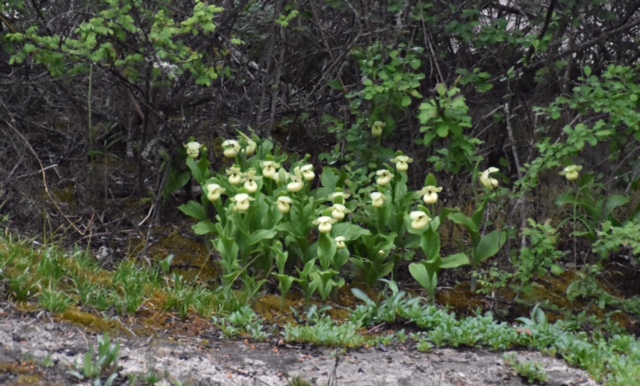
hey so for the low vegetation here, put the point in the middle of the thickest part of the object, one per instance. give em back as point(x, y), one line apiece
point(608, 353)
point(464, 173)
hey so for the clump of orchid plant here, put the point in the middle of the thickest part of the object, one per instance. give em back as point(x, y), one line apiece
point(267, 220)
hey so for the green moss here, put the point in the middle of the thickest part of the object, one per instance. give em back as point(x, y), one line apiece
point(272, 310)
point(92, 323)
point(460, 299)
point(29, 379)
point(13, 368)
point(191, 258)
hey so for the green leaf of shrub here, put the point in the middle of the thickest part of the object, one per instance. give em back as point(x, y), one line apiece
point(442, 130)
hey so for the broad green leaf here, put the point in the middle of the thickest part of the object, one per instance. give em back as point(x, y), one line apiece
point(177, 179)
point(489, 245)
point(426, 280)
point(435, 224)
point(350, 231)
point(359, 294)
point(204, 227)
point(464, 220)
point(416, 94)
point(567, 199)
point(326, 250)
point(430, 244)
point(340, 259)
point(400, 190)
point(330, 178)
point(281, 256)
point(430, 180)
point(194, 209)
point(262, 234)
point(381, 270)
point(195, 170)
point(285, 282)
point(556, 269)
point(454, 261)
point(322, 281)
point(288, 227)
point(479, 213)
point(228, 250)
point(612, 203)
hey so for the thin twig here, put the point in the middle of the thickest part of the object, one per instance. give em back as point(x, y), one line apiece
point(514, 150)
point(333, 377)
point(148, 215)
point(44, 178)
point(30, 174)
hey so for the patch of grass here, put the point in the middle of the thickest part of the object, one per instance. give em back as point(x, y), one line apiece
point(55, 301)
point(532, 372)
point(58, 279)
point(298, 381)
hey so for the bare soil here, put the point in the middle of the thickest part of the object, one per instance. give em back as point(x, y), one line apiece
point(35, 349)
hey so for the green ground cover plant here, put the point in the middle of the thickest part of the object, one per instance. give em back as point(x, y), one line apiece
point(99, 365)
point(533, 372)
point(609, 354)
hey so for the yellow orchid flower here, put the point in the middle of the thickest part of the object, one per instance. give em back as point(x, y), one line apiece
point(193, 149)
point(384, 177)
point(402, 162)
point(377, 199)
point(242, 201)
point(214, 191)
point(284, 204)
point(270, 169)
point(430, 194)
point(377, 128)
point(338, 211)
point(420, 220)
point(487, 181)
point(324, 223)
point(571, 172)
point(231, 148)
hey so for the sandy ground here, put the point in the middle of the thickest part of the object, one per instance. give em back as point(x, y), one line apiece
point(26, 340)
